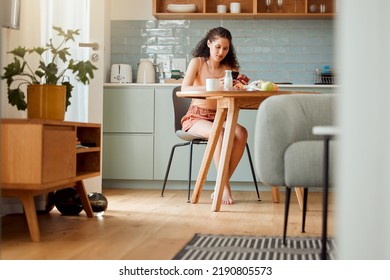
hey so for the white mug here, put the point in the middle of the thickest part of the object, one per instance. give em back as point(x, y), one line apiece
point(221, 9)
point(235, 7)
point(212, 84)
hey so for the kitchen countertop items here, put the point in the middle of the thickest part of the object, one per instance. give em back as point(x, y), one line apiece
point(146, 72)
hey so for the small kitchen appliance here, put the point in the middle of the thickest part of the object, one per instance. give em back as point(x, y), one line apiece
point(121, 73)
point(146, 72)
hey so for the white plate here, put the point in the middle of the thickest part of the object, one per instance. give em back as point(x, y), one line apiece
point(181, 8)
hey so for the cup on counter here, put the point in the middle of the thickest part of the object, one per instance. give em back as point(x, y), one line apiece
point(212, 84)
point(221, 9)
point(313, 8)
point(235, 7)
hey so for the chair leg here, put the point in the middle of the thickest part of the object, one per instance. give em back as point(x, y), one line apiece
point(253, 171)
point(305, 195)
point(169, 164)
point(286, 210)
point(189, 173)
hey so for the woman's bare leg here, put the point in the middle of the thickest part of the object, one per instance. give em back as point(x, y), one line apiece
point(239, 144)
point(203, 128)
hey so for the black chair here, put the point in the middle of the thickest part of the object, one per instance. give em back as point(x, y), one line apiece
point(180, 107)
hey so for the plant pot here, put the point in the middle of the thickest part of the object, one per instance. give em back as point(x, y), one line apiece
point(46, 102)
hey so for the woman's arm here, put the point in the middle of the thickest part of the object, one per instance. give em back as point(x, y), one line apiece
point(189, 78)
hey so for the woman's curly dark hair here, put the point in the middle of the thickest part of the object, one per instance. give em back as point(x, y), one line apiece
point(202, 50)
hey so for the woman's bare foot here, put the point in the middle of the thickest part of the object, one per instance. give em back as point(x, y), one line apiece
point(226, 196)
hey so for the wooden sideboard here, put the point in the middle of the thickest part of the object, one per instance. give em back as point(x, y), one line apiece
point(41, 156)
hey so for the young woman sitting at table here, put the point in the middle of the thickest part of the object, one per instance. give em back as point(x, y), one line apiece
point(212, 56)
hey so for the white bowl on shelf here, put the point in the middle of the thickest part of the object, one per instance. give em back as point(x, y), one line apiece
point(181, 8)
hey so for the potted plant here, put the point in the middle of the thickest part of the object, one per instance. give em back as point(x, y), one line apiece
point(42, 80)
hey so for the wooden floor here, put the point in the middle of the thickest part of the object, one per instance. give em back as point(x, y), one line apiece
point(139, 224)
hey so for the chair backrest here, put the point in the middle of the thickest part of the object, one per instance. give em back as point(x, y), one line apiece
point(180, 107)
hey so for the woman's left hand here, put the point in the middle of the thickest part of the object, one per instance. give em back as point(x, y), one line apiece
point(221, 83)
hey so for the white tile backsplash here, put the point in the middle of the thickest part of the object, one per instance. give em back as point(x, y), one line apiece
point(278, 50)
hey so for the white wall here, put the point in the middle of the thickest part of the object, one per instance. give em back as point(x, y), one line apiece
point(29, 35)
point(131, 10)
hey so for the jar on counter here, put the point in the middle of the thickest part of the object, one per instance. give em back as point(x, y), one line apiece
point(317, 76)
point(228, 80)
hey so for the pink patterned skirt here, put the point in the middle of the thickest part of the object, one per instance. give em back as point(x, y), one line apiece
point(195, 114)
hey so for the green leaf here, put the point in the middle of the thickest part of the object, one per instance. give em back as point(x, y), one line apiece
point(83, 69)
point(69, 89)
point(19, 51)
point(51, 71)
point(39, 73)
point(62, 54)
point(68, 35)
point(16, 98)
point(13, 70)
point(38, 50)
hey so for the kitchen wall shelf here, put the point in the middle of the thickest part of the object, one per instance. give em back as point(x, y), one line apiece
point(250, 9)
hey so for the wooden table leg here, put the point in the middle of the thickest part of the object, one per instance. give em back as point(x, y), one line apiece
point(208, 153)
point(31, 215)
point(227, 145)
point(80, 187)
point(275, 194)
point(299, 194)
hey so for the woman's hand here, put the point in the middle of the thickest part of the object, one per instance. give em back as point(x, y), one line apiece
point(243, 79)
point(221, 83)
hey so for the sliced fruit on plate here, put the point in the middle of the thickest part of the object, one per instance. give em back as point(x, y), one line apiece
point(262, 86)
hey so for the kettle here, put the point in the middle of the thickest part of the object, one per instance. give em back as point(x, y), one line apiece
point(146, 72)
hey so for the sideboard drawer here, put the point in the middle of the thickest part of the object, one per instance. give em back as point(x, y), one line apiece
point(37, 154)
point(59, 153)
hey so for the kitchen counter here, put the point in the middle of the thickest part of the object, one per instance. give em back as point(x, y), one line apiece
point(307, 86)
point(129, 85)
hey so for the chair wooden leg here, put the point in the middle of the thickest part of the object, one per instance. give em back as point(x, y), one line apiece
point(275, 194)
point(286, 210)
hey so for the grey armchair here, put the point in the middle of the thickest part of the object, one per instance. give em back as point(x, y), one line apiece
point(286, 153)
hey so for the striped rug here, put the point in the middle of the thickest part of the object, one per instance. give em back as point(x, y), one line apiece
point(230, 247)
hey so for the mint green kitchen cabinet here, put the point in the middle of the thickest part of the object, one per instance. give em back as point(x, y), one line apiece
point(128, 133)
point(128, 110)
point(127, 156)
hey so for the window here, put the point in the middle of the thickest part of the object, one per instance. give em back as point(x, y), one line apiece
point(70, 14)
